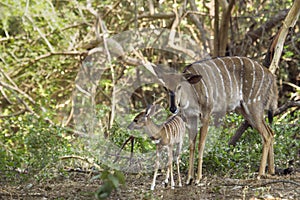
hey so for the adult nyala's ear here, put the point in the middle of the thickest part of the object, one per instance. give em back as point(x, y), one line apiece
point(192, 79)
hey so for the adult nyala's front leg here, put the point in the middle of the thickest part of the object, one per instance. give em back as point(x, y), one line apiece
point(192, 130)
point(201, 145)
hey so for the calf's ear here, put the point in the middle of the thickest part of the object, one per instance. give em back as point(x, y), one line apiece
point(150, 110)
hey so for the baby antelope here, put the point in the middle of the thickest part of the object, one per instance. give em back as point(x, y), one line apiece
point(166, 135)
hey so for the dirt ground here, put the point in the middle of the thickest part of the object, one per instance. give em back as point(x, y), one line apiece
point(82, 186)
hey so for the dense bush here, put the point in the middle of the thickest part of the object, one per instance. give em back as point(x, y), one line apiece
point(30, 146)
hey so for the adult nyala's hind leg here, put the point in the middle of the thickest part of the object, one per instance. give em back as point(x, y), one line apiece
point(255, 116)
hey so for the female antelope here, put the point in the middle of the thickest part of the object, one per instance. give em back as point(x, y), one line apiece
point(216, 86)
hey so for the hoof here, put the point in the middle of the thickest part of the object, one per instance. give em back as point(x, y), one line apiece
point(199, 183)
point(264, 176)
point(189, 181)
point(165, 183)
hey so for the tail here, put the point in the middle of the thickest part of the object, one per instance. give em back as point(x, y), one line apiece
point(270, 116)
point(273, 102)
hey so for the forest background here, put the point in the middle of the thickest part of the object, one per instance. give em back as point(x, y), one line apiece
point(44, 46)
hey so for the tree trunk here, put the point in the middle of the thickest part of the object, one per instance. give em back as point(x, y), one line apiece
point(287, 25)
point(226, 14)
point(216, 31)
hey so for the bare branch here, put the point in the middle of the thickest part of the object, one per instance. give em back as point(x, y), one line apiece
point(268, 25)
point(6, 76)
point(274, 182)
point(109, 59)
point(157, 16)
point(90, 8)
point(70, 116)
point(216, 50)
point(40, 32)
point(5, 39)
point(28, 61)
point(288, 24)
point(87, 160)
point(171, 41)
point(286, 106)
point(226, 14)
point(27, 107)
point(4, 95)
point(17, 90)
point(239, 132)
point(198, 24)
point(111, 9)
point(69, 53)
point(6, 5)
point(151, 17)
point(20, 112)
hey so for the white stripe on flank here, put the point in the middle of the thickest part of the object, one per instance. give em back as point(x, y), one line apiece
point(170, 126)
point(228, 77)
point(236, 83)
point(195, 91)
point(166, 126)
point(177, 123)
point(253, 81)
point(206, 90)
point(215, 80)
point(241, 78)
point(221, 76)
point(261, 83)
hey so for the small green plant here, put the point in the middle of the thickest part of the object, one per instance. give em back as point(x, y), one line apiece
point(111, 181)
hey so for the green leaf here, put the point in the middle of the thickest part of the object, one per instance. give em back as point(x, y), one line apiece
point(114, 180)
